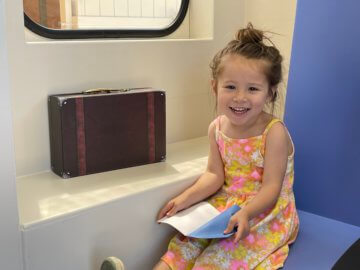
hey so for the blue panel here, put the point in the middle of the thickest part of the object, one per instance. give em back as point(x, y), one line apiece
point(323, 106)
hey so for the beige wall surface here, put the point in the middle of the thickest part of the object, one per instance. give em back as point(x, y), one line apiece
point(180, 66)
point(10, 236)
point(277, 16)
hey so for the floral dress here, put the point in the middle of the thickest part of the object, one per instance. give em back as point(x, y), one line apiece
point(267, 245)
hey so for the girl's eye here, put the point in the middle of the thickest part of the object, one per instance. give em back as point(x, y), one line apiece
point(253, 89)
point(230, 87)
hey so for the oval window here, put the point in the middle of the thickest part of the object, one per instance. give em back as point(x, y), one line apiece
point(61, 19)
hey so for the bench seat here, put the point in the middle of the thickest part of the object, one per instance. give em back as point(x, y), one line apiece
point(320, 243)
point(85, 213)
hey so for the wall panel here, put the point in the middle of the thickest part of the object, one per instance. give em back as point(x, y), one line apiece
point(322, 108)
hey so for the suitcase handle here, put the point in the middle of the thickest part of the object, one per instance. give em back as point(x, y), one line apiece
point(104, 91)
point(111, 90)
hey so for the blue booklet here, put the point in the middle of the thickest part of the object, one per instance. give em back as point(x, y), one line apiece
point(202, 221)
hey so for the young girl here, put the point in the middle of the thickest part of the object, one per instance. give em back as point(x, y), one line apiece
point(250, 164)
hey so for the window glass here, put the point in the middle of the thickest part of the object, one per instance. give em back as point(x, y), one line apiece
point(104, 18)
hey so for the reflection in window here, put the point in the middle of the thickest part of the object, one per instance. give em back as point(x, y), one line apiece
point(103, 14)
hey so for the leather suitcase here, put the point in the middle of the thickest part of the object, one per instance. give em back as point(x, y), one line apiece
point(106, 129)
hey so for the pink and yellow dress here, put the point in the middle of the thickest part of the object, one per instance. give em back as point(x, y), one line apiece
point(267, 245)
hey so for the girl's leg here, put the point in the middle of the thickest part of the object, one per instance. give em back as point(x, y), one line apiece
point(246, 254)
point(182, 253)
point(161, 265)
point(275, 260)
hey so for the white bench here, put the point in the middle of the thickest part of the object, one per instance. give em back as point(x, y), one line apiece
point(76, 223)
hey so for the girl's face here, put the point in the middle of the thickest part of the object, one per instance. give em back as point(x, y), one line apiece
point(242, 89)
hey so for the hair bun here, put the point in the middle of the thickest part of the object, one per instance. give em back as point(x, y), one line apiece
point(249, 35)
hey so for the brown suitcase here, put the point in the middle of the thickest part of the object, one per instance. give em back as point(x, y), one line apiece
point(106, 129)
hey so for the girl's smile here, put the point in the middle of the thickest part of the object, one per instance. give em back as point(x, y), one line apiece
point(239, 110)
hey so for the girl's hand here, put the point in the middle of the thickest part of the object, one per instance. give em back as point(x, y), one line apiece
point(172, 207)
point(241, 220)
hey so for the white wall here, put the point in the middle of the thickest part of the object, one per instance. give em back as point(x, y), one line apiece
point(35, 70)
point(42, 68)
point(277, 16)
point(10, 244)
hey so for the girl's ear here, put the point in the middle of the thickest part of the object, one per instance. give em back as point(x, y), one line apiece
point(214, 86)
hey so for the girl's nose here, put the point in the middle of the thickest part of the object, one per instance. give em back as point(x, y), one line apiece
point(239, 96)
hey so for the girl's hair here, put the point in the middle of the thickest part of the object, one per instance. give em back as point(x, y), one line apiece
point(249, 43)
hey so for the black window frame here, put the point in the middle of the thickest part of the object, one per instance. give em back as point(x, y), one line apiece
point(107, 33)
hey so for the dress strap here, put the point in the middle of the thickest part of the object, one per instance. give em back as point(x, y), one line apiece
point(271, 123)
point(217, 127)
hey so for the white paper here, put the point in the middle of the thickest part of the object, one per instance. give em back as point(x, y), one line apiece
point(188, 220)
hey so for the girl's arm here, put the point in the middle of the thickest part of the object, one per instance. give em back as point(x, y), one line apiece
point(278, 147)
point(207, 184)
